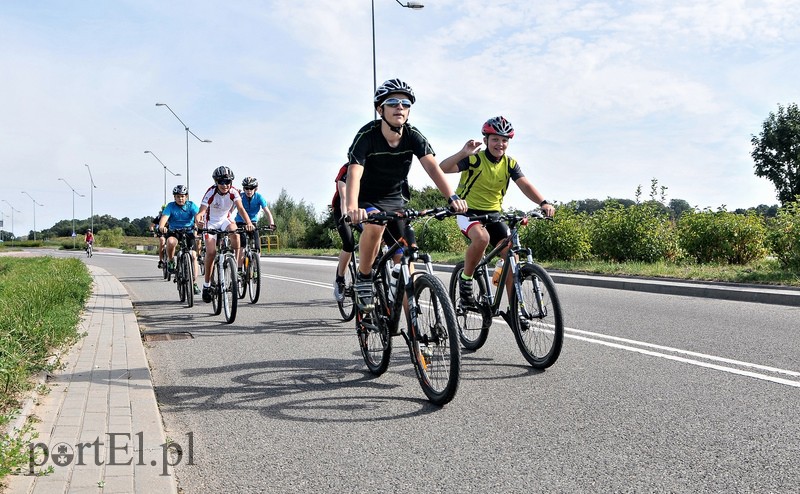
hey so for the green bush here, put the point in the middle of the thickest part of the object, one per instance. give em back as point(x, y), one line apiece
point(567, 238)
point(783, 236)
point(641, 232)
point(107, 238)
point(722, 236)
point(440, 236)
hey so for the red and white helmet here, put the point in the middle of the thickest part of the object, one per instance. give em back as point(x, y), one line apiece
point(498, 126)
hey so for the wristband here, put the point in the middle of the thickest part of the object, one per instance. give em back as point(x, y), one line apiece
point(452, 198)
point(543, 203)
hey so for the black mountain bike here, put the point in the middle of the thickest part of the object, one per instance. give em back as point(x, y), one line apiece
point(184, 267)
point(224, 282)
point(431, 334)
point(535, 314)
point(250, 282)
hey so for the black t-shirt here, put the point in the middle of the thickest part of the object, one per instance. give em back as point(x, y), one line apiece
point(386, 168)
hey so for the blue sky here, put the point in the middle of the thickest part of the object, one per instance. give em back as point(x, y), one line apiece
point(604, 95)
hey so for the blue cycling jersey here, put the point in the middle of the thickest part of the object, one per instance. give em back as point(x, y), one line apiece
point(180, 216)
point(252, 206)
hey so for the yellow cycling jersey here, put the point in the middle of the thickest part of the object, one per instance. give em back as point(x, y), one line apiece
point(484, 183)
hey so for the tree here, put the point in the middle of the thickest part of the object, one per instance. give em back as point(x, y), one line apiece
point(776, 152)
point(678, 207)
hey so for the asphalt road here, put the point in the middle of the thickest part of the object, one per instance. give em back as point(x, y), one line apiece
point(652, 393)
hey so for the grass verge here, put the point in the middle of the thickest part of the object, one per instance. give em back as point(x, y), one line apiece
point(41, 299)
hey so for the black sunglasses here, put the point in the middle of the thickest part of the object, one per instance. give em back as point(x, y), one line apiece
point(224, 182)
point(249, 188)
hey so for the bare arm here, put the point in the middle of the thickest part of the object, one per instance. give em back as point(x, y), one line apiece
point(199, 218)
point(244, 215)
point(342, 188)
point(450, 164)
point(269, 215)
point(162, 223)
point(533, 194)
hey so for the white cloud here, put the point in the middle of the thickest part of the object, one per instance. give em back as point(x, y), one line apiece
point(605, 95)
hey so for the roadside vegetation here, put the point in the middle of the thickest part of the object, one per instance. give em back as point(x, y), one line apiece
point(41, 299)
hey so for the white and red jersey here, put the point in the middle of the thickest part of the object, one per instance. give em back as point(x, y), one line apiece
point(220, 206)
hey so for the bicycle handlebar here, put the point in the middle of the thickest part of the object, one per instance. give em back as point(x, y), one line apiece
point(406, 214)
point(512, 218)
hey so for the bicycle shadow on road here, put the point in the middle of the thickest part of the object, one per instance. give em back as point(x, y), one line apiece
point(317, 390)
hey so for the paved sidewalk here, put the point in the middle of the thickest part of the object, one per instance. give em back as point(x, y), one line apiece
point(100, 422)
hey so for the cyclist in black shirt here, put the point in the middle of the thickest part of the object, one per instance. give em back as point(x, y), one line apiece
point(380, 159)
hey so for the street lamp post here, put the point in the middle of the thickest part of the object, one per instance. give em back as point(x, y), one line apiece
point(165, 175)
point(408, 5)
point(13, 237)
point(34, 212)
point(74, 193)
point(186, 127)
point(91, 198)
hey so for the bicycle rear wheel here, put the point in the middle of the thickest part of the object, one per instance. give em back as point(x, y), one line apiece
point(536, 313)
point(473, 320)
point(230, 296)
point(372, 329)
point(434, 340)
point(253, 273)
point(216, 289)
point(347, 306)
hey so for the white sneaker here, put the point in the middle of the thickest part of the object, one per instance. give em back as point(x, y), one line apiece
point(338, 291)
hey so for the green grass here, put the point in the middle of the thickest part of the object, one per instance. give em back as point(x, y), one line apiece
point(41, 299)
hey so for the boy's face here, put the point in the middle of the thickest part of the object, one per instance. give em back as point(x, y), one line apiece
point(397, 115)
point(249, 191)
point(496, 144)
point(180, 199)
point(224, 186)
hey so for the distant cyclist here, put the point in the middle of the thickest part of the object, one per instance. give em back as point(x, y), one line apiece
point(179, 215)
point(254, 203)
point(485, 176)
point(89, 238)
point(216, 209)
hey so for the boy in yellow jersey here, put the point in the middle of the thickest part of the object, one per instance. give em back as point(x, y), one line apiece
point(485, 175)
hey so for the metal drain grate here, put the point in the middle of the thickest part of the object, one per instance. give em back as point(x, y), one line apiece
point(180, 335)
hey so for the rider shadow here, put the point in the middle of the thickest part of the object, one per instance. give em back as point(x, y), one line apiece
point(472, 369)
point(319, 390)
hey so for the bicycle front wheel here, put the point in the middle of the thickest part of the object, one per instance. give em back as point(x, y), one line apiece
point(242, 280)
point(374, 339)
point(253, 274)
point(473, 320)
point(347, 306)
point(230, 296)
point(536, 313)
point(164, 265)
point(180, 274)
point(434, 340)
point(187, 270)
point(216, 288)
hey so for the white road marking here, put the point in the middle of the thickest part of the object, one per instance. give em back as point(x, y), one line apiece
point(650, 349)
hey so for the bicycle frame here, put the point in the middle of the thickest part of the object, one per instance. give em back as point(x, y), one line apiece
point(405, 278)
point(511, 265)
